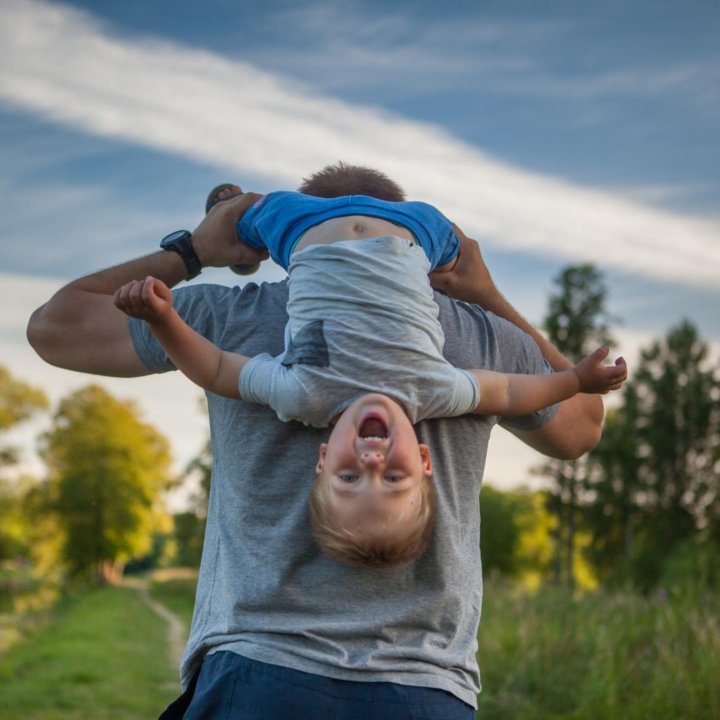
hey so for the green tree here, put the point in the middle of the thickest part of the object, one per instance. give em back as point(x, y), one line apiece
point(614, 502)
point(658, 469)
point(18, 403)
point(577, 322)
point(106, 473)
point(499, 532)
point(189, 526)
point(516, 530)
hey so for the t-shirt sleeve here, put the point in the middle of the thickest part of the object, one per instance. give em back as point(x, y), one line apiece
point(148, 349)
point(203, 307)
point(257, 378)
point(467, 394)
point(522, 355)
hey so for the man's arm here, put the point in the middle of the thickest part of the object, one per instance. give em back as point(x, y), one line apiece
point(577, 426)
point(200, 360)
point(80, 328)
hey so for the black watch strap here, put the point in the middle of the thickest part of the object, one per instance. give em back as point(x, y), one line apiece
point(180, 242)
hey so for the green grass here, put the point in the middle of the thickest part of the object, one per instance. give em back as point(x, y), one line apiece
point(103, 655)
point(175, 588)
point(598, 657)
point(543, 656)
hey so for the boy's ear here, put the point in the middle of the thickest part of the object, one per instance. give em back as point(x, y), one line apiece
point(425, 459)
point(321, 458)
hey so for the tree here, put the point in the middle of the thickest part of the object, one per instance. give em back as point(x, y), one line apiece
point(658, 465)
point(577, 322)
point(614, 501)
point(106, 472)
point(18, 403)
point(516, 532)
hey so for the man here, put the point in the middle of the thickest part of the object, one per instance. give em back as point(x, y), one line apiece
point(281, 630)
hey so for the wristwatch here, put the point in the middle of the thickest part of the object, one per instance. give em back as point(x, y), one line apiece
point(180, 242)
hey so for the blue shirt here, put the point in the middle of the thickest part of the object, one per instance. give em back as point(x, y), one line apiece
point(277, 221)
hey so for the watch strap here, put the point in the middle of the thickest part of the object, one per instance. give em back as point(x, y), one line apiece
point(181, 243)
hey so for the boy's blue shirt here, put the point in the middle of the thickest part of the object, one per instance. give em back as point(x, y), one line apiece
point(277, 222)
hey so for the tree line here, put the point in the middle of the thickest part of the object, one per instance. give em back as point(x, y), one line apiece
point(643, 508)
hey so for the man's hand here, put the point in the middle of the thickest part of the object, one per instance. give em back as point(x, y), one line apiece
point(149, 299)
point(595, 377)
point(215, 239)
point(469, 279)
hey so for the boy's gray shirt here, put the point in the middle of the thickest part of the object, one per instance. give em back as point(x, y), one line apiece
point(362, 319)
point(265, 591)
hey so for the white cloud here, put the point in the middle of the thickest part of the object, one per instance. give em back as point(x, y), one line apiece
point(62, 64)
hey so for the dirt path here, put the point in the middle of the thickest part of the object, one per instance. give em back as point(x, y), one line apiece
point(176, 633)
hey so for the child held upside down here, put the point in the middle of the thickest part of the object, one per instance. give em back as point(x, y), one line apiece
point(363, 354)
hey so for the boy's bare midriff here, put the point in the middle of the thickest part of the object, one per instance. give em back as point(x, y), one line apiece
point(351, 227)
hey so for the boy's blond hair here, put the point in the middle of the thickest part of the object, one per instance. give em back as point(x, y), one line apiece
point(343, 179)
point(347, 547)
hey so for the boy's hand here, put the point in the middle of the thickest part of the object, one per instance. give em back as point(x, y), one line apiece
point(469, 279)
point(215, 239)
point(149, 299)
point(595, 377)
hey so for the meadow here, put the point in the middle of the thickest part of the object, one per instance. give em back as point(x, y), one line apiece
point(103, 654)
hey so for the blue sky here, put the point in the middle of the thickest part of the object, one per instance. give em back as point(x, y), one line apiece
point(552, 132)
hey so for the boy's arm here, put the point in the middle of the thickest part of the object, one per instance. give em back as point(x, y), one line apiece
point(577, 426)
point(80, 328)
point(511, 394)
point(196, 357)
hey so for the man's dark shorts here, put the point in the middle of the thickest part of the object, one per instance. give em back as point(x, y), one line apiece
point(231, 687)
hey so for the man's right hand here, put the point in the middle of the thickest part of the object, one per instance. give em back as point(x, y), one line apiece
point(215, 239)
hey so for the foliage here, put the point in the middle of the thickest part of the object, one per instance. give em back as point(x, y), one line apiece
point(18, 403)
point(18, 400)
point(15, 526)
point(188, 534)
point(517, 538)
point(515, 534)
point(577, 323)
point(106, 470)
point(655, 478)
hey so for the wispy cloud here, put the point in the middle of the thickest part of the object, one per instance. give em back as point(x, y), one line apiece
point(62, 64)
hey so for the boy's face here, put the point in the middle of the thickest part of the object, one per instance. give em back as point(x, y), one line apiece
point(374, 465)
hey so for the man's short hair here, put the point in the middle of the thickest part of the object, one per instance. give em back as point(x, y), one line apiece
point(343, 179)
point(345, 546)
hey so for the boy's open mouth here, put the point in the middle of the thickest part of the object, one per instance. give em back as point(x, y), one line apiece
point(373, 427)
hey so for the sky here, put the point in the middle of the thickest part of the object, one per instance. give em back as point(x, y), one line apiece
point(553, 133)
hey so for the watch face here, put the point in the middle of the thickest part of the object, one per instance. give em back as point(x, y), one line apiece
point(173, 237)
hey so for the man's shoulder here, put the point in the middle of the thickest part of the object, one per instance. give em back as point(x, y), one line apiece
point(216, 296)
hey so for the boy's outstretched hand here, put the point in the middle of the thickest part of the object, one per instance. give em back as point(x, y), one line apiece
point(595, 377)
point(149, 299)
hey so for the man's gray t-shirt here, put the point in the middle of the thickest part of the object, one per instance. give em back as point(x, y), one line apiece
point(265, 590)
point(362, 319)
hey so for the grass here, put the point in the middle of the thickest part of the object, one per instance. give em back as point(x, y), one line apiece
point(544, 656)
point(603, 656)
point(175, 588)
point(103, 655)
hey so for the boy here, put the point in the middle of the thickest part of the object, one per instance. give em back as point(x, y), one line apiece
point(363, 351)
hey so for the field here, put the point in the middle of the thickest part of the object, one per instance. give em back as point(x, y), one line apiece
point(104, 655)
point(600, 656)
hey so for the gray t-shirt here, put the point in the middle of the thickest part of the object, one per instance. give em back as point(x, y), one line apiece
point(263, 585)
point(362, 319)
